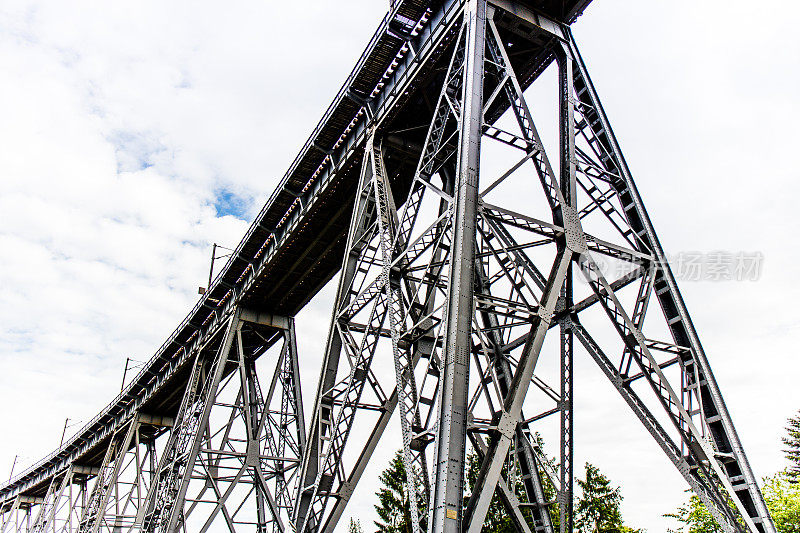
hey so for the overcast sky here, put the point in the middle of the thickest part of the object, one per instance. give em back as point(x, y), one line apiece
point(135, 134)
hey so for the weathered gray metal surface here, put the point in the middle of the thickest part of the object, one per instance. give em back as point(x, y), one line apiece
point(450, 279)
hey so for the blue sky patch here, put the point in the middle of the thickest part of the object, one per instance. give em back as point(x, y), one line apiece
point(228, 203)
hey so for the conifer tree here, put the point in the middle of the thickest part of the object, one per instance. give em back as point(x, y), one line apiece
point(598, 508)
point(497, 519)
point(394, 505)
point(355, 526)
point(792, 443)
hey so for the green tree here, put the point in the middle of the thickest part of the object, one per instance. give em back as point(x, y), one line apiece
point(394, 507)
point(792, 441)
point(780, 493)
point(355, 526)
point(598, 508)
point(783, 501)
point(497, 520)
point(598, 498)
point(694, 517)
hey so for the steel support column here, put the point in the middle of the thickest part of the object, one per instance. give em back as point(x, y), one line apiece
point(448, 480)
point(716, 417)
point(569, 191)
point(233, 445)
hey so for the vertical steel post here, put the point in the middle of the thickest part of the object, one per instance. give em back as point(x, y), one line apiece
point(566, 468)
point(567, 167)
point(11, 514)
point(446, 504)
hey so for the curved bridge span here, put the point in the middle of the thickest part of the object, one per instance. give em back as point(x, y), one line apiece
point(436, 80)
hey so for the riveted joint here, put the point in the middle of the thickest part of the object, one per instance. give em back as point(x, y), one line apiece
point(507, 425)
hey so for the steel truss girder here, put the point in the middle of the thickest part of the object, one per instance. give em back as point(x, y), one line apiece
point(737, 475)
point(450, 105)
point(121, 484)
point(73, 502)
point(46, 517)
point(234, 449)
point(592, 181)
point(64, 512)
point(11, 521)
point(397, 250)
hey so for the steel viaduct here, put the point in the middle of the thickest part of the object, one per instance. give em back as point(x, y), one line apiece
point(450, 292)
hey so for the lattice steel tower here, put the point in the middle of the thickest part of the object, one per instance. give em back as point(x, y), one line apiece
point(473, 263)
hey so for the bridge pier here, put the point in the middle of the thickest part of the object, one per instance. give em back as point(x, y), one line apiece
point(453, 281)
point(16, 517)
point(237, 440)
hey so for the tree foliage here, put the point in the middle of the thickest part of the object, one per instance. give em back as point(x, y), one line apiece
point(355, 526)
point(783, 501)
point(694, 517)
point(598, 507)
point(497, 520)
point(780, 493)
point(792, 443)
point(393, 506)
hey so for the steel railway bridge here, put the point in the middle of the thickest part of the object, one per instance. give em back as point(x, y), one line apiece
point(463, 294)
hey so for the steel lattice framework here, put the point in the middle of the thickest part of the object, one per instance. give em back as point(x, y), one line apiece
point(465, 289)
